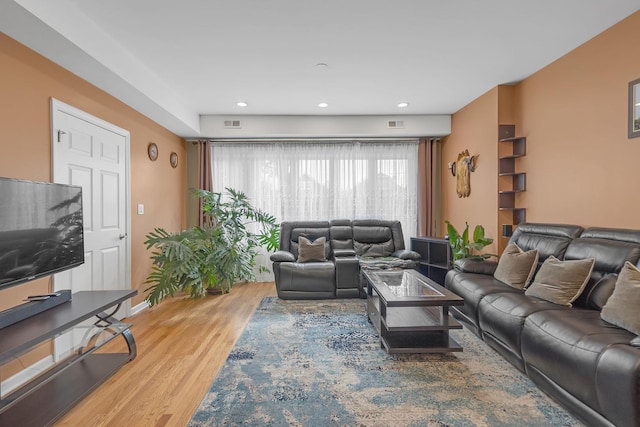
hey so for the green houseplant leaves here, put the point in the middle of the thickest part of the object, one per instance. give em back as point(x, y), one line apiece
point(462, 247)
point(214, 256)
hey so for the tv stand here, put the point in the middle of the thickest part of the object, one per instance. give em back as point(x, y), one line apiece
point(45, 398)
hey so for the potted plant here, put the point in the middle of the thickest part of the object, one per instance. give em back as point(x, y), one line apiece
point(213, 256)
point(462, 247)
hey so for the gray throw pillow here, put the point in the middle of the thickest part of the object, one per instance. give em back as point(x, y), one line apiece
point(381, 249)
point(621, 308)
point(561, 282)
point(311, 251)
point(516, 267)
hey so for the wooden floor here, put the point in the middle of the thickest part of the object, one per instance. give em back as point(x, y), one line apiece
point(182, 344)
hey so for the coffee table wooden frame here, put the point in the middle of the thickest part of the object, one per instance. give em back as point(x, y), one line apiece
point(411, 322)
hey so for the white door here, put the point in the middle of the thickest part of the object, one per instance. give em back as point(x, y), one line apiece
point(94, 154)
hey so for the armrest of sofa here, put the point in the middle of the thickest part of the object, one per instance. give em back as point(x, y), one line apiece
point(282, 256)
point(618, 383)
point(347, 272)
point(406, 254)
point(343, 253)
point(472, 265)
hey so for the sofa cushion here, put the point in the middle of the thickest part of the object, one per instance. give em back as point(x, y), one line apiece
point(617, 234)
point(473, 265)
point(311, 234)
point(501, 318)
point(516, 267)
point(618, 380)
point(341, 234)
point(290, 231)
point(373, 231)
point(597, 292)
point(548, 239)
point(473, 287)
point(566, 346)
point(373, 240)
point(311, 250)
point(309, 277)
point(622, 307)
point(611, 248)
point(561, 282)
point(609, 255)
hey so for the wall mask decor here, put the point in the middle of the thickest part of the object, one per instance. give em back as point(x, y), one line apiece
point(461, 169)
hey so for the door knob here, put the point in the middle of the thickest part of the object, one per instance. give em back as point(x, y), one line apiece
point(123, 236)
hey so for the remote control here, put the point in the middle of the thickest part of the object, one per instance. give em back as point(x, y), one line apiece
point(52, 294)
point(38, 298)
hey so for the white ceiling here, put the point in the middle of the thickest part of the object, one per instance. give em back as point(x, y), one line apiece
point(177, 60)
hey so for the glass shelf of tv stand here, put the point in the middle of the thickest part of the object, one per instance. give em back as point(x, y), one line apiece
point(92, 338)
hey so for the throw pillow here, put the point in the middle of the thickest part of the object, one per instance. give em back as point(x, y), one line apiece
point(312, 237)
point(381, 249)
point(561, 282)
point(311, 251)
point(621, 308)
point(516, 267)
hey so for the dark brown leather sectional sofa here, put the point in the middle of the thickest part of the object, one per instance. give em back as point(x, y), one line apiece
point(588, 365)
point(350, 246)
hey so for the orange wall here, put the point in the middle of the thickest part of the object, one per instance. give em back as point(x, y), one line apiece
point(580, 164)
point(474, 128)
point(27, 83)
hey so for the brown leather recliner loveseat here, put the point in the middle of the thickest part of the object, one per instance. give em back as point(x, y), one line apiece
point(348, 247)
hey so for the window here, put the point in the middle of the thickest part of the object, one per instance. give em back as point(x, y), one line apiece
point(318, 180)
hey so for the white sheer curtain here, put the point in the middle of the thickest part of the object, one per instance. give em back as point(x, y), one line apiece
point(315, 180)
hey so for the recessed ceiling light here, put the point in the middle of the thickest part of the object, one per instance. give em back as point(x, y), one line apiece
point(403, 104)
point(241, 104)
point(323, 105)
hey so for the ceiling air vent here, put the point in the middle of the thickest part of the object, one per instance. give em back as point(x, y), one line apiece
point(395, 124)
point(232, 124)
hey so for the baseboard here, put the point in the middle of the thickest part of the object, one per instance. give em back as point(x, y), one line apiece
point(25, 375)
point(140, 307)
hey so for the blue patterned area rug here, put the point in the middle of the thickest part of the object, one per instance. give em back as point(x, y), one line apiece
point(319, 363)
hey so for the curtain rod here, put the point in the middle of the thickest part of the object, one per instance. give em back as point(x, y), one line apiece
point(286, 140)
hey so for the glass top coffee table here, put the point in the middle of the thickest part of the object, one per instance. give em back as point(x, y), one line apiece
point(411, 312)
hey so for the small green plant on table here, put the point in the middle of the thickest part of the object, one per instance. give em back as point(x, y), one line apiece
point(462, 247)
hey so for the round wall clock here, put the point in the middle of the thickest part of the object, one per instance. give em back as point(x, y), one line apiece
point(173, 159)
point(152, 150)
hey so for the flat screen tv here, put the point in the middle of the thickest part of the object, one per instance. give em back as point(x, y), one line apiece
point(41, 229)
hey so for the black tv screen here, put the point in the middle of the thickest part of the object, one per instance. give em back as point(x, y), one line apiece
point(41, 229)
